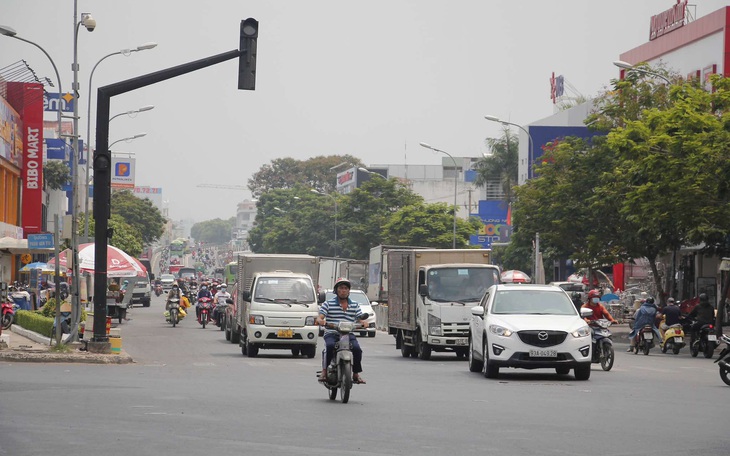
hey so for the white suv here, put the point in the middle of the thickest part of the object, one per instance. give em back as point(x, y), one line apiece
point(530, 327)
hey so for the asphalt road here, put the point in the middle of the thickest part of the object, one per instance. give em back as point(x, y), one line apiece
point(191, 392)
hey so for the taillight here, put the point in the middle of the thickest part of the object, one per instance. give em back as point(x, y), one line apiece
point(711, 326)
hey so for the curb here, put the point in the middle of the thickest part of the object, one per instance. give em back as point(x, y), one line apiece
point(45, 355)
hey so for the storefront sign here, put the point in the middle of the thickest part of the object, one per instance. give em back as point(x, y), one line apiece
point(31, 113)
point(51, 102)
point(668, 21)
point(123, 172)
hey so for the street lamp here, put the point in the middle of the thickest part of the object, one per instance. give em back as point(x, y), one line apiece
point(132, 112)
point(629, 67)
point(130, 138)
point(335, 200)
point(456, 182)
point(126, 53)
point(529, 137)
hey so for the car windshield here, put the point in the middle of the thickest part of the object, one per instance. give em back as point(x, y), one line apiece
point(359, 298)
point(167, 277)
point(532, 302)
point(460, 284)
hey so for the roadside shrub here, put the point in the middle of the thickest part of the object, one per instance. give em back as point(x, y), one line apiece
point(34, 321)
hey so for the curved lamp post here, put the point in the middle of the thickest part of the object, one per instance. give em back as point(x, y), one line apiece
point(456, 182)
point(629, 67)
point(126, 53)
point(529, 137)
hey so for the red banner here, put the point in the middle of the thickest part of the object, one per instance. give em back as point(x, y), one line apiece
point(27, 99)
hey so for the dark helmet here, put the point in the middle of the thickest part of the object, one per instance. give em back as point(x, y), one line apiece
point(703, 298)
point(342, 281)
point(650, 300)
point(670, 301)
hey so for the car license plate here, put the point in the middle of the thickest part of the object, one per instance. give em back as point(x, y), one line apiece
point(678, 340)
point(285, 333)
point(648, 336)
point(543, 353)
point(712, 338)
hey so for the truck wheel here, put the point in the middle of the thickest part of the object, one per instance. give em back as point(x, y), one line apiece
point(372, 334)
point(252, 350)
point(227, 331)
point(405, 350)
point(309, 351)
point(424, 350)
point(295, 352)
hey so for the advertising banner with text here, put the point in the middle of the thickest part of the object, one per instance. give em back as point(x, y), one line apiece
point(123, 172)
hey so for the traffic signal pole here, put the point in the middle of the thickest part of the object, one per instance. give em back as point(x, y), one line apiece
point(103, 163)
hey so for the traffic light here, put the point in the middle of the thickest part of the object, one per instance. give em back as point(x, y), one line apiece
point(247, 60)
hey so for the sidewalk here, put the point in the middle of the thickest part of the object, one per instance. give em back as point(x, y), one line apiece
point(27, 346)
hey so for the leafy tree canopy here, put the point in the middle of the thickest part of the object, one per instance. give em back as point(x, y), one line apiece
point(125, 236)
point(214, 231)
point(139, 213)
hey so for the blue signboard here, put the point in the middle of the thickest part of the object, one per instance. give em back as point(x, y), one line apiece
point(493, 214)
point(56, 149)
point(40, 241)
point(51, 102)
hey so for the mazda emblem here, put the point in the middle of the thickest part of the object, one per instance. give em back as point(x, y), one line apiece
point(542, 335)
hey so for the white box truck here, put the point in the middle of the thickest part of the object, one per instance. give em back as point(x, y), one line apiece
point(278, 303)
point(378, 272)
point(430, 296)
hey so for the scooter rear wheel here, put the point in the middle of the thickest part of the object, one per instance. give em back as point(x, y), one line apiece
point(7, 321)
point(709, 349)
point(333, 393)
point(725, 375)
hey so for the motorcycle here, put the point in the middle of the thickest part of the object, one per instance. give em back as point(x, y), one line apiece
point(204, 309)
point(339, 371)
point(219, 312)
point(705, 343)
point(602, 344)
point(158, 290)
point(644, 340)
point(174, 312)
point(673, 338)
point(724, 360)
point(8, 314)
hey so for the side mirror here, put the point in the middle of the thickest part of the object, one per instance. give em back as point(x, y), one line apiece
point(374, 303)
point(423, 289)
point(584, 312)
point(477, 311)
point(320, 297)
point(247, 296)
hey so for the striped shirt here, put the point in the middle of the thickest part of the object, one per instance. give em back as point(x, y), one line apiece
point(334, 313)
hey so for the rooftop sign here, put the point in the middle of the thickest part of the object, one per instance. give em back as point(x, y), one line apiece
point(668, 21)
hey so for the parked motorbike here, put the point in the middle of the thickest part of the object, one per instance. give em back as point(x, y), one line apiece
point(173, 313)
point(706, 342)
point(673, 338)
point(603, 353)
point(644, 340)
point(205, 307)
point(8, 314)
point(339, 371)
point(724, 360)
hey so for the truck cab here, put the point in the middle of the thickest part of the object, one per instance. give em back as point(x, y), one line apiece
point(279, 312)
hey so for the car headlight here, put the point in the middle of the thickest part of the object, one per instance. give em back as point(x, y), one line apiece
point(256, 319)
point(585, 331)
point(500, 330)
point(309, 321)
point(434, 325)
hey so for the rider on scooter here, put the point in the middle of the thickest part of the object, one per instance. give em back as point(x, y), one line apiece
point(341, 308)
point(202, 293)
point(702, 314)
point(644, 315)
point(222, 294)
point(599, 310)
point(672, 315)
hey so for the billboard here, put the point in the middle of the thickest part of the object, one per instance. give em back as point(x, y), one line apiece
point(11, 138)
point(123, 172)
point(154, 194)
point(493, 214)
point(51, 102)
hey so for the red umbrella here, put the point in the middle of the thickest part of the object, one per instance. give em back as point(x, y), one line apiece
point(514, 276)
point(119, 263)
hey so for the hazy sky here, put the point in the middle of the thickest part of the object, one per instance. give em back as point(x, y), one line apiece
point(372, 79)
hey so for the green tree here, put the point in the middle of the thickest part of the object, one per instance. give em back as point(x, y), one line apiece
point(288, 173)
point(502, 165)
point(366, 210)
point(139, 213)
point(216, 231)
point(124, 235)
point(56, 174)
point(428, 225)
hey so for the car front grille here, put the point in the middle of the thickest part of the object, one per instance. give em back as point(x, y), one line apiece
point(542, 338)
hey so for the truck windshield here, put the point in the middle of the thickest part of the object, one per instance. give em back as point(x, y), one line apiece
point(284, 289)
point(462, 284)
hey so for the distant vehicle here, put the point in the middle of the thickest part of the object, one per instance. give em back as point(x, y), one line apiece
point(186, 273)
point(230, 272)
point(142, 293)
point(146, 263)
point(166, 280)
point(366, 306)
